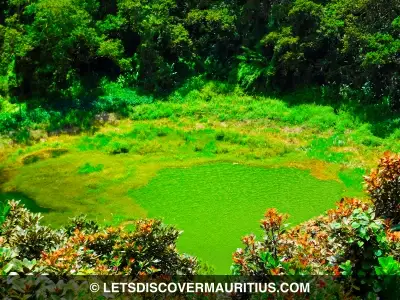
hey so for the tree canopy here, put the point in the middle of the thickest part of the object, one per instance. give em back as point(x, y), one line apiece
point(61, 50)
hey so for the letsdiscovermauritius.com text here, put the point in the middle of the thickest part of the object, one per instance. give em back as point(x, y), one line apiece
point(202, 287)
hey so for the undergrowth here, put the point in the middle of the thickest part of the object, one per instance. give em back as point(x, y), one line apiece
point(202, 101)
point(88, 168)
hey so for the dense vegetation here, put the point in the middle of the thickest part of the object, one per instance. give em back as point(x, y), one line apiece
point(73, 54)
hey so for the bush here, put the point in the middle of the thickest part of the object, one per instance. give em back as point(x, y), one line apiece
point(88, 168)
point(119, 99)
point(383, 185)
point(359, 242)
point(83, 247)
point(347, 241)
point(82, 224)
point(22, 232)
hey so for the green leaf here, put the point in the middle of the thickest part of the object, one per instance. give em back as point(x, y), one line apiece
point(335, 225)
point(8, 268)
point(355, 225)
point(263, 256)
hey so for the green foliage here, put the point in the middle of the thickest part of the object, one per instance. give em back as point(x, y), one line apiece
point(85, 248)
point(359, 243)
point(82, 224)
point(132, 141)
point(118, 98)
point(22, 231)
point(387, 266)
point(349, 241)
point(337, 43)
point(321, 149)
point(383, 187)
point(367, 251)
point(75, 59)
point(45, 288)
point(88, 168)
point(254, 70)
point(214, 35)
point(60, 52)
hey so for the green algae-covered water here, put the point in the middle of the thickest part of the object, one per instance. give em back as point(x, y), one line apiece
point(215, 205)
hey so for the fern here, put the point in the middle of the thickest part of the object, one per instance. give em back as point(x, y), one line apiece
point(253, 68)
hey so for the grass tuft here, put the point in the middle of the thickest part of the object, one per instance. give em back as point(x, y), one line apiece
point(88, 168)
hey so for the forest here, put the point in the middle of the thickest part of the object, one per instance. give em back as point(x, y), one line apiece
point(148, 138)
point(67, 53)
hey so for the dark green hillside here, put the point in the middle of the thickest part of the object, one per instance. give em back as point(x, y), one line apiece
point(67, 52)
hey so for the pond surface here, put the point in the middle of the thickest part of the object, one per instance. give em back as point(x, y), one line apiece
point(215, 205)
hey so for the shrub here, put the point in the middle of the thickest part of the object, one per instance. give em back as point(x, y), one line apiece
point(83, 247)
point(82, 224)
point(271, 256)
point(118, 147)
point(383, 185)
point(347, 241)
point(321, 148)
point(88, 168)
point(118, 98)
point(358, 242)
point(22, 231)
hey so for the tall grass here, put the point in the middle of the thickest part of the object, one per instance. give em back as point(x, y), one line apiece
point(205, 101)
